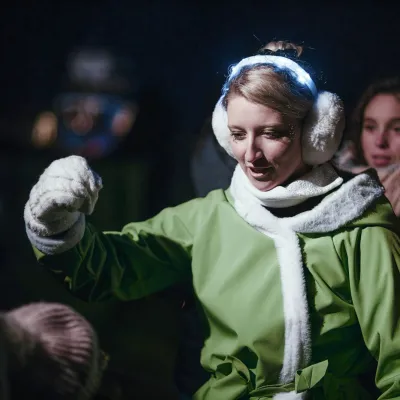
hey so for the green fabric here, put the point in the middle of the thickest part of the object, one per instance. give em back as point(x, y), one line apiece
point(353, 287)
point(138, 352)
point(310, 376)
point(233, 380)
point(125, 194)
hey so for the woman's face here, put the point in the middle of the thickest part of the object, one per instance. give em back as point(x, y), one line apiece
point(266, 145)
point(380, 136)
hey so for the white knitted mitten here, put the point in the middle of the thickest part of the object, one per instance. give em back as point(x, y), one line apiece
point(54, 214)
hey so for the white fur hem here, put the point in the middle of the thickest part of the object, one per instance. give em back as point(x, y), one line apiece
point(290, 396)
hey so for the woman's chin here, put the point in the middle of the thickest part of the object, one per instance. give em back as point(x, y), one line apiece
point(262, 185)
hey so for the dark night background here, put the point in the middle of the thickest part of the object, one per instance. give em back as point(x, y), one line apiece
point(182, 49)
point(178, 52)
point(176, 55)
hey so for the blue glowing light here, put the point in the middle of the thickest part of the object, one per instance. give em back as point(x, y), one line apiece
point(302, 76)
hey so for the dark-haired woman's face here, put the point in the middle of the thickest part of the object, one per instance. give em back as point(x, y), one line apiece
point(380, 137)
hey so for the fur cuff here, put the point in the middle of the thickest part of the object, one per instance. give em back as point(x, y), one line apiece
point(58, 243)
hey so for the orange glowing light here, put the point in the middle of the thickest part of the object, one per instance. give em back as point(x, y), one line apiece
point(44, 131)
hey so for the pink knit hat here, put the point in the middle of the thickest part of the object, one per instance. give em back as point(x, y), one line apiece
point(47, 351)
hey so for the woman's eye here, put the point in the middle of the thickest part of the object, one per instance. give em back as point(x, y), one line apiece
point(369, 128)
point(277, 134)
point(273, 134)
point(238, 135)
point(397, 129)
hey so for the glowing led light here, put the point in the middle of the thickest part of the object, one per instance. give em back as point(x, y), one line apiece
point(302, 76)
point(44, 131)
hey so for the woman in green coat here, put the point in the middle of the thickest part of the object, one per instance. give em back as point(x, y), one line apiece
point(295, 266)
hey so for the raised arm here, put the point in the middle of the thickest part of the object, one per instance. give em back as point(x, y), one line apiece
point(143, 258)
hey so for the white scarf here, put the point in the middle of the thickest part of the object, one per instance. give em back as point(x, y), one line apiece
point(319, 181)
point(347, 203)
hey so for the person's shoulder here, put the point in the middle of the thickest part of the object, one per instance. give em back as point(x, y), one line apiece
point(208, 203)
point(213, 197)
point(195, 212)
point(378, 212)
point(361, 198)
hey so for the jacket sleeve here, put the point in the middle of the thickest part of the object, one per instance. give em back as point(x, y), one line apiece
point(144, 258)
point(374, 269)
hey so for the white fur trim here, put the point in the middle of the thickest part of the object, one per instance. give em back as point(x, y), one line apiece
point(321, 135)
point(346, 204)
point(297, 350)
point(290, 396)
point(317, 182)
point(283, 62)
point(220, 127)
point(323, 129)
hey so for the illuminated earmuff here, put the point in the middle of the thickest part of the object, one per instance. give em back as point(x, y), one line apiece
point(323, 126)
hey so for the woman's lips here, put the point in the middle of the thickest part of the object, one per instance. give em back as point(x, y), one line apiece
point(260, 172)
point(381, 161)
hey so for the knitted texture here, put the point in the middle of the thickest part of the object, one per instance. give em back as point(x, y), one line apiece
point(54, 214)
point(51, 350)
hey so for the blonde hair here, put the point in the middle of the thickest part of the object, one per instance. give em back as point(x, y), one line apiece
point(272, 86)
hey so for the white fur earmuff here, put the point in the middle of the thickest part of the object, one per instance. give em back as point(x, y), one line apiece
point(323, 127)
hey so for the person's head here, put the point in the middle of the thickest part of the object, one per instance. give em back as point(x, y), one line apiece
point(266, 104)
point(376, 124)
point(48, 351)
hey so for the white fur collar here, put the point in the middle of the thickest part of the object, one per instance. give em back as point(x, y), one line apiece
point(341, 207)
point(319, 181)
point(344, 205)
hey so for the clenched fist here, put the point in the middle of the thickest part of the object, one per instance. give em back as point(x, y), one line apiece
point(54, 214)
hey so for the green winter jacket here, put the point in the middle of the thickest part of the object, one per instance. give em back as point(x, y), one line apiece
point(353, 291)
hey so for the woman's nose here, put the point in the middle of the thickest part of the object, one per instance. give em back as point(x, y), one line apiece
point(253, 151)
point(381, 139)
